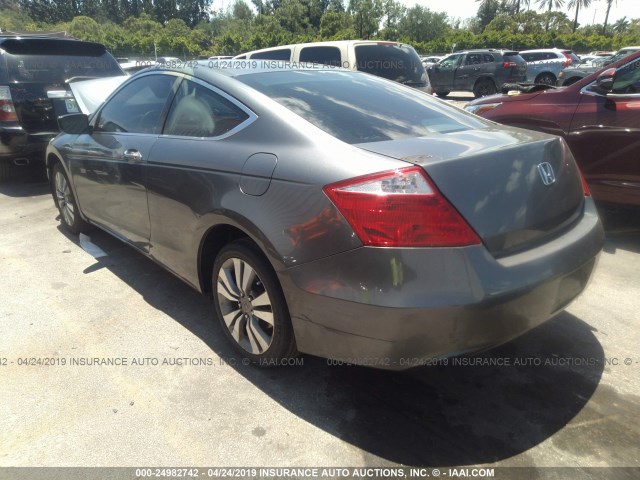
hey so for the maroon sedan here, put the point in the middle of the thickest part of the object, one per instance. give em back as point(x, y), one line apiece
point(599, 116)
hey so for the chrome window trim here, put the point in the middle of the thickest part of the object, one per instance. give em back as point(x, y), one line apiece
point(251, 115)
point(585, 90)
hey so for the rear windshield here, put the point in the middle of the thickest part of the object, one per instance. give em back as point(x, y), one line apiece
point(358, 108)
point(399, 63)
point(54, 61)
point(512, 56)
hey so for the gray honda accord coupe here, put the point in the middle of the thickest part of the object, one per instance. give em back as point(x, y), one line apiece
point(331, 212)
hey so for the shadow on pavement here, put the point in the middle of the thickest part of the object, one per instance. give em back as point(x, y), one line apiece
point(26, 185)
point(429, 416)
point(622, 227)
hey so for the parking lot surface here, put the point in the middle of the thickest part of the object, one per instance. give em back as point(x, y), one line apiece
point(175, 394)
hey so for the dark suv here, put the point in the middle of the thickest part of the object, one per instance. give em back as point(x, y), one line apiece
point(482, 72)
point(34, 72)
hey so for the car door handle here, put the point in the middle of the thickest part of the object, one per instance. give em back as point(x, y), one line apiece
point(132, 156)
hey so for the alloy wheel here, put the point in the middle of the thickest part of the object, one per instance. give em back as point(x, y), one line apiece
point(65, 198)
point(245, 305)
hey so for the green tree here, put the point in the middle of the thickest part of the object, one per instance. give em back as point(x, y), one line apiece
point(394, 12)
point(86, 28)
point(334, 25)
point(487, 11)
point(242, 11)
point(292, 16)
point(621, 26)
point(422, 25)
point(367, 15)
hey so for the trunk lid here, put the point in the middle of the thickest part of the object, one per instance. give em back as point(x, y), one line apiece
point(496, 179)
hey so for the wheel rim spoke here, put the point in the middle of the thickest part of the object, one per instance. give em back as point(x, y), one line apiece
point(248, 276)
point(259, 339)
point(264, 316)
point(227, 285)
point(261, 300)
point(238, 266)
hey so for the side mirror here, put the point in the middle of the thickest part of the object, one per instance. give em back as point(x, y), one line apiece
point(74, 123)
point(605, 80)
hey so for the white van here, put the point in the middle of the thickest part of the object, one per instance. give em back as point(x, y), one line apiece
point(392, 60)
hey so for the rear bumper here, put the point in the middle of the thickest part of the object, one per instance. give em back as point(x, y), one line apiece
point(398, 308)
point(16, 143)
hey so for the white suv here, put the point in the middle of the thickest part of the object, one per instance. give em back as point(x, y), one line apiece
point(544, 65)
point(392, 60)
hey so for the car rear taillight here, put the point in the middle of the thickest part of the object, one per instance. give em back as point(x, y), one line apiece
point(509, 64)
point(7, 111)
point(401, 208)
point(585, 187)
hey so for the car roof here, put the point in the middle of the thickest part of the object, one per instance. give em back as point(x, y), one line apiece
point(327, 43)
point(554, 50)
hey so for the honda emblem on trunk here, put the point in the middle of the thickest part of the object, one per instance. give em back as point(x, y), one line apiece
point(546, 173)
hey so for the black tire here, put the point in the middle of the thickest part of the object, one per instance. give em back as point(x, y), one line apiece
point(546, 79)
point(257, 318)
point(484, 87)
point(65, 202)
point(442, 93)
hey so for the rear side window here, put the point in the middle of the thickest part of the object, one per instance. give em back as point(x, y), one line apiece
point(473, 59)
point(197, 111)
point(138, 106)
point(400, 63)
point(281, 54)
point(321, 55)
point(357, 108)
point(55, 61)
point(488, 58)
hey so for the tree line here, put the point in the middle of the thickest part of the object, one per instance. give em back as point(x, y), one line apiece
point(188, 28)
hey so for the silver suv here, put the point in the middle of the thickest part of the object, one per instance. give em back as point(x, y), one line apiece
point(543, 66)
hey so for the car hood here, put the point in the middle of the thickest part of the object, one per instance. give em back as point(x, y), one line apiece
point(90, 94)
point(519, 97)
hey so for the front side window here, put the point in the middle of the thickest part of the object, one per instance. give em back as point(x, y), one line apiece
point(627, 79)
point(198, 111)
point(449, 62)
point(138, 106)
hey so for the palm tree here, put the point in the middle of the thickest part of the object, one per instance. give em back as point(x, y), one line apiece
point(578, 4)
point(621, 26)
point(551, 4)
point(606, 18)
point(517, 3)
